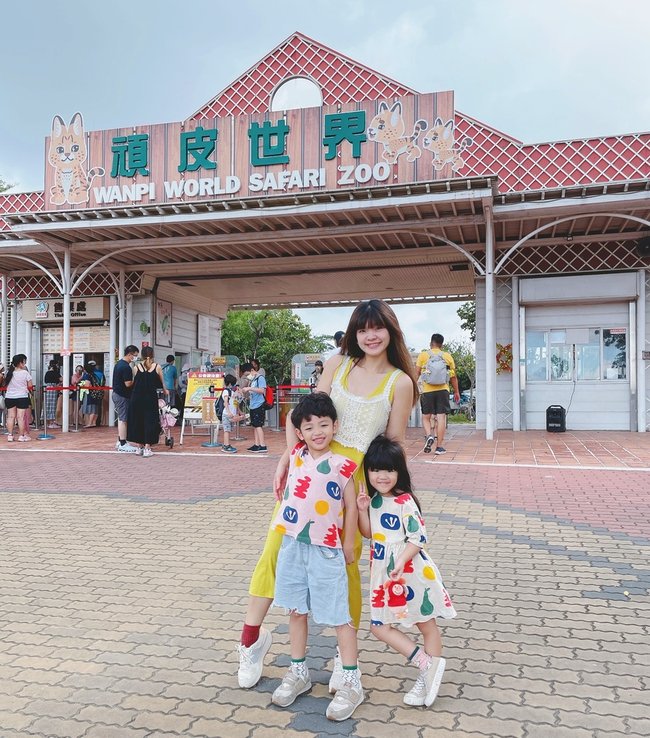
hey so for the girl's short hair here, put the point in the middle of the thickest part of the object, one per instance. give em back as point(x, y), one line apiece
point(378, 314)
point(384, 454)
point(315, 403)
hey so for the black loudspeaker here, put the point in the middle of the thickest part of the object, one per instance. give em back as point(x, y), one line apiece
point(555, 419)
point(643, 247)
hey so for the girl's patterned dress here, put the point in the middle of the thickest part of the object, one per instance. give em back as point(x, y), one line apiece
point(420, 594)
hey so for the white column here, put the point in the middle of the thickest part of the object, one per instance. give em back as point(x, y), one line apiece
point(642, 411)
point(28, 343)
point(516, 385)
point(4, 323)
point(66, 338)
point(108, 371)
point(121, 303)
point(128, 327)
point(13, 343)
point(490, 329)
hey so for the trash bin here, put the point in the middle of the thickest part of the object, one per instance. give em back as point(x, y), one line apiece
point(555, 419)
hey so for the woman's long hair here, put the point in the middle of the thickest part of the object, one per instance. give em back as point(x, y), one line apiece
point(147, 357)
point(17, 359)
point(384, 454)
point(377, 314)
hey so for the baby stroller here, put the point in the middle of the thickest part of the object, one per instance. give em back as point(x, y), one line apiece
point(168, 416)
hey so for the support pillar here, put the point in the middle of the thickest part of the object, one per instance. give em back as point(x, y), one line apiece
point(641, 339)
point(516, 353)
point(66, 339)
point(13, 333)
point(4, 323)
point(490, 328)
point(121, 305)
point(108, 371)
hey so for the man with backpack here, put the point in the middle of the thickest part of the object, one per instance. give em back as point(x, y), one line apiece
point(256, 391)
point(436, 369)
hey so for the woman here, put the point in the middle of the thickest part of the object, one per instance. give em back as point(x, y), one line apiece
point(75, 408)
point(373, 387)
point(92, 377)
point(18, 384)
point(143, 420)
point(50, 397)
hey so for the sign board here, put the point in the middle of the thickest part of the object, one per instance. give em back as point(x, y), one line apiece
point(333, 147)
point(86, 308)
point(198, 387)
point(203, 332)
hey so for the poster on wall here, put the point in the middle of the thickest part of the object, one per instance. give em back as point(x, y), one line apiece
point(163, 323)
point(203, 332)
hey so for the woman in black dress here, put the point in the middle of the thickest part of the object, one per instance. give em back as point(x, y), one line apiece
point(143, 420)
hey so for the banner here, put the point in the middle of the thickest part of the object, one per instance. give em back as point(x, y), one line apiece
point(198, 387)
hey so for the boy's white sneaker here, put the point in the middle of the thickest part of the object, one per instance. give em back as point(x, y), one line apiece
point(417, 694)
point(292, 686)
point(251, 660)
point(432, 678)
point(345, 702)
point(336, 680)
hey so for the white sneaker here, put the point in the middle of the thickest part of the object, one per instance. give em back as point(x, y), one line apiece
point(292, 686)
point(336, 680)
point(126, 449)
point(147, 452)
point(251, 660)
point(417, 694)
point(432, 678)
point(345, 702)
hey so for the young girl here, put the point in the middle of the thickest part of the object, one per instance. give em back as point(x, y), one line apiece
point(405, 585)
point(19, 384)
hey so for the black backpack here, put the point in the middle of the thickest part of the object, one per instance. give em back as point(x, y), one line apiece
point(220, 404)
point(96, 395)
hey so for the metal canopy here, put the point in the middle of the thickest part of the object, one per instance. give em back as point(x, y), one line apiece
point(413, 242)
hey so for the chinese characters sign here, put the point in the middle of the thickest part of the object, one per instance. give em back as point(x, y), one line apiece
point(334, 147)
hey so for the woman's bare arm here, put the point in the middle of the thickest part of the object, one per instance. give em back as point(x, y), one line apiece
point(400, 409)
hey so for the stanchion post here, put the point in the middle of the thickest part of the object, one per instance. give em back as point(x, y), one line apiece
point(44, 436)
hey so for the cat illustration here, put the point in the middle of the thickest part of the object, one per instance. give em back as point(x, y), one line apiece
point(387, 128)
point(67, 154)
point(440, 140)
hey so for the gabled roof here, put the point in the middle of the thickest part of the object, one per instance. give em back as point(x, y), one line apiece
point(340, 79)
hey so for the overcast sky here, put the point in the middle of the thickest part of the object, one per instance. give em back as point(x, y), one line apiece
point(539, 70)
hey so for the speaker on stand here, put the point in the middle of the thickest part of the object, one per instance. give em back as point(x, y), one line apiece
point(643, 247)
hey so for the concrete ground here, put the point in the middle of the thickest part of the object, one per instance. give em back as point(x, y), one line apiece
point(123, 583)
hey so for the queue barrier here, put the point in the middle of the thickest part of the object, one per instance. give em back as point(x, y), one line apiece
point(73, 388)
point(287, 397)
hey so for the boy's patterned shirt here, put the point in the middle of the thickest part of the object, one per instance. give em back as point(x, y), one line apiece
point(311, 510)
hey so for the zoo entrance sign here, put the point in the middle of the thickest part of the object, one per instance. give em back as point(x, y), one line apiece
point(407, 139)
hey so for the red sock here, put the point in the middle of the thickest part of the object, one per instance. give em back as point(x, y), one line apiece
point(249, 635)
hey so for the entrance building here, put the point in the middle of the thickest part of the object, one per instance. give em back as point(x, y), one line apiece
point(379, 191)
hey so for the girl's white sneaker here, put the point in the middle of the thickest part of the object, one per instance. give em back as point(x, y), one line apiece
point(417, 694)
point(147, 452)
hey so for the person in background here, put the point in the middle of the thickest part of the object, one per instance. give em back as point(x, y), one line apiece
point(2, 405)
point(338, 340)
point(315, 376)
point(170, 379)
point(93, 401)
point(18, 384)
point(244, 381)
point(122, 383)
point(229, 415)
point(260, 371)
point(50, 397)
point(256, 392)
point(143, 422)
point(74, 406)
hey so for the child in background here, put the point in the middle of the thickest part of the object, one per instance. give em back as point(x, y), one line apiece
point(229, 415)
point(318, 505)
point(406, 586)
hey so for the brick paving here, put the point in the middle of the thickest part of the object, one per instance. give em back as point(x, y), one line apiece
point(122, 589)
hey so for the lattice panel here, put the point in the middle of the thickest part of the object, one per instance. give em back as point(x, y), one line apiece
point(551, 165)
point(340, 79)
point(95, 285)
point(567, 258)
point(20, 202)
point(504, 408)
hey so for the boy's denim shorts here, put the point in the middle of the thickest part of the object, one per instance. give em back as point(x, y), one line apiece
point(312, 579)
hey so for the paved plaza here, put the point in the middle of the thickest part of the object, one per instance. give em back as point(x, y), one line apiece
point(123, 583)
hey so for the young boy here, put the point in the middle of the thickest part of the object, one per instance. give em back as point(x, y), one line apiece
point(319, 503)
point(229, 415)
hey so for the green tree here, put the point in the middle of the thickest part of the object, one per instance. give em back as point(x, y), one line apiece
point(4, 186)
point(465, 361)
point(467, 314)
point(272, 336)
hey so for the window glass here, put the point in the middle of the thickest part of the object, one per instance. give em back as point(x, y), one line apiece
point(588, 356)
point(614, 353)
point(536, 356)
point(561, 355)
